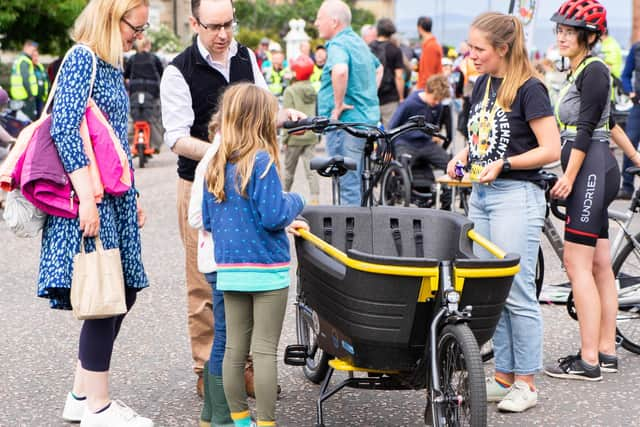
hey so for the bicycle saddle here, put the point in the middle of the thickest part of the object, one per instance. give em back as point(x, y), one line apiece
point(634, 170)
point(332, 166)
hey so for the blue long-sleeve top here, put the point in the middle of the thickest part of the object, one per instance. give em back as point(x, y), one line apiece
point(414, 106)
point(251, 246)
point(629, 68)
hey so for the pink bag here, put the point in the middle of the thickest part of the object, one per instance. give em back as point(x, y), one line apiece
point(111, 159)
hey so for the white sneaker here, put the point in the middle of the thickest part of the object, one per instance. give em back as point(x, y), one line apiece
point(495, 392)
point(519, 399)
point(117, 415)
point(73, 409)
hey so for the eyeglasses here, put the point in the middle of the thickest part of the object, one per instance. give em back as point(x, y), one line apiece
point(216, 28)
point(568, 33)
point(137, 30)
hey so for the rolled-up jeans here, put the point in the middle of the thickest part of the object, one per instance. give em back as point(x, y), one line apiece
point(510, 213)
point(341, 143)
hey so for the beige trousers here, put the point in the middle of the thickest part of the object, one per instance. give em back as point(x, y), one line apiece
point(199, 295)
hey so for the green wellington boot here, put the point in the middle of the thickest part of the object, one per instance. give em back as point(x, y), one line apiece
point(220, 415)
point(205, 415)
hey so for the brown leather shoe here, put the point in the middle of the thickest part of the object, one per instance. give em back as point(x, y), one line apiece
point(248, 379)
point(200, 386)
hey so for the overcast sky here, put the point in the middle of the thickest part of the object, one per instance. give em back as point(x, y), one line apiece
point(452, 17)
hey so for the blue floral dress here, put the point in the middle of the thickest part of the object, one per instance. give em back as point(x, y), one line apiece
point(118, 216)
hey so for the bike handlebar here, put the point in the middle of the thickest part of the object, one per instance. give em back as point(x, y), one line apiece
point(320, 124)
point(553, 205)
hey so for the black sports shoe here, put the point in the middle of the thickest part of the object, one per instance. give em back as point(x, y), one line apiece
point(574, 368)
point(608, 363)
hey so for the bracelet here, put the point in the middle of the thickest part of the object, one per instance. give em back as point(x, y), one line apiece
point(637, 153)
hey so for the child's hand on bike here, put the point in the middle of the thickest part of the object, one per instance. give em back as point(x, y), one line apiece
point(286, 114)
point(297, 225)
point(563, 188)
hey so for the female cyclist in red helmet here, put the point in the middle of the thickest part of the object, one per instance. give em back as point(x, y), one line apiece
point(590, 183)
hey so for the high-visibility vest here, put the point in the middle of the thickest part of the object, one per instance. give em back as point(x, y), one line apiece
point(315, 77)
point(17, 87)
point(42, 77)
point(571, 81)
point(276, 81)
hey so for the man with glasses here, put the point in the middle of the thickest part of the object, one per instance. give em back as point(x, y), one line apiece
point(189, 91)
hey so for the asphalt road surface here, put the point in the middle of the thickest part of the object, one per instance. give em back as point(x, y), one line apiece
point(151, 366)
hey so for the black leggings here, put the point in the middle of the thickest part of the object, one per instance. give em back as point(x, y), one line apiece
point(593, 191)
point(98, 335)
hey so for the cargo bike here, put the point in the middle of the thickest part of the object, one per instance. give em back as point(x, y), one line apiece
point(396, 298)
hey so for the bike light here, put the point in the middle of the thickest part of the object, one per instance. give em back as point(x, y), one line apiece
point(453, 297)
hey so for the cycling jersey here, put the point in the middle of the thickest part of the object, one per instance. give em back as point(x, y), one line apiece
point(583, 117)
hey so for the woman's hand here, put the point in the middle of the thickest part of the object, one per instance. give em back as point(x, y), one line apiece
point(296, 225)
point(451, 167)
point(142, 218)
point(563, 188)
point(89, 218)
point(490, 172)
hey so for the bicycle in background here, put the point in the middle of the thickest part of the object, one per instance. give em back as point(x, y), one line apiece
point(378, 153)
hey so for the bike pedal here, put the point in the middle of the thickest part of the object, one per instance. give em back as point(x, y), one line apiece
point(295, 355)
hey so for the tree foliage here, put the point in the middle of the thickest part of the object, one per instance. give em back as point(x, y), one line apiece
point(259, 18)
point(164, 39)
point(47, 22)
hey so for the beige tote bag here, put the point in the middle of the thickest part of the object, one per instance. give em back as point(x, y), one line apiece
point(97, 287)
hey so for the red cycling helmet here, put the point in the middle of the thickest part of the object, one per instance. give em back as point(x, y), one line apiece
point(587, 14)
point(303, 67)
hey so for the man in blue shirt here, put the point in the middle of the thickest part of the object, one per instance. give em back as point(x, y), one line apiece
point(348, 89)
point(632, 128)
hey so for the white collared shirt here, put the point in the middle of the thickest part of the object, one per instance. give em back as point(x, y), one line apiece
point(175, 96)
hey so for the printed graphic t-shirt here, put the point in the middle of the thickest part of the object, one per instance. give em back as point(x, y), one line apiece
point(509, 133)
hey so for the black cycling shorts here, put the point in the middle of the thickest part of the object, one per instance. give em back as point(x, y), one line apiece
point(593, 191)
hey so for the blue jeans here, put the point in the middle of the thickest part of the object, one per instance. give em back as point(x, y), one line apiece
point(510, 213)
point(633, 132)
point(341, 143)
point(220, 327)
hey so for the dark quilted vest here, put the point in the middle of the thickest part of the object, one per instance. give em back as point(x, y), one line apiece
point(206, 84)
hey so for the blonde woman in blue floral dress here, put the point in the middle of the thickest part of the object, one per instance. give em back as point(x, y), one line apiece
point(108, 28)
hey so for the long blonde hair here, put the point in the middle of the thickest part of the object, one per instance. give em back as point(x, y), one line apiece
point(98, 26)
point(506, 30)
point(248, 125)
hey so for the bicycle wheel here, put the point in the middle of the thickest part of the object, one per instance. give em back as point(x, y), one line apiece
point(396, 186)
point(626, 268)
point(461, 380)
point(464, 194)
point(317, 360)
point(142, 158)
point(539, 272)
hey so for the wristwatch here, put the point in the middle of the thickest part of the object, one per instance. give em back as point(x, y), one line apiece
point(506, 165)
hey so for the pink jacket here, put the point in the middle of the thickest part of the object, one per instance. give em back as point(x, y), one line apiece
point(35, 167)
